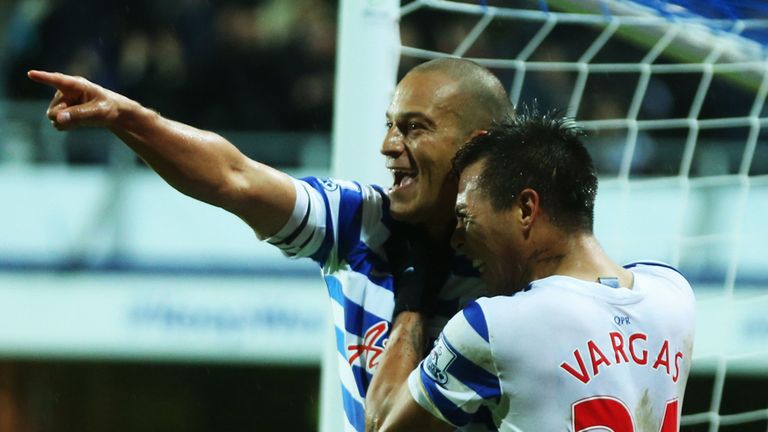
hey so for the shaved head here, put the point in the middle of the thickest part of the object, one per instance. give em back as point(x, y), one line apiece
point(437, 107)
point(483, 98)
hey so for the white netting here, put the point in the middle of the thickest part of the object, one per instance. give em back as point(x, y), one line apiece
point(675, 104)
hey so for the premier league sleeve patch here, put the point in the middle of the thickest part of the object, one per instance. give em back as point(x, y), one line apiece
point(438, 361)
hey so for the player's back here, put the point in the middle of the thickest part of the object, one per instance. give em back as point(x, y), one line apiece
point(574, 355)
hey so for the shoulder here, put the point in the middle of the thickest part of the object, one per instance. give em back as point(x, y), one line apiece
point(471, 320)
point(653, 267)
point(462, 354)
point(357, 212)
point(349, 198)
point(472, 329)
point(661, 272)
point(334, 186)
point(520, 306)
point(467, 331)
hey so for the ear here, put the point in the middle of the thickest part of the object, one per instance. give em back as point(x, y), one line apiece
point(530, 207)
point(470, 136)
point(476, 133)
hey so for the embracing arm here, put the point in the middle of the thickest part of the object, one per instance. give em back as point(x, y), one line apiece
point(389, 405)
point(458, 381)
point(198, 163)
point(420, 268)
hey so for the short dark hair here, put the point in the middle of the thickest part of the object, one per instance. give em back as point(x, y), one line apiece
point(541, 152)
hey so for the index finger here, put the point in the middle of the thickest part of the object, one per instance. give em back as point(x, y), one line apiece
point(58, 80)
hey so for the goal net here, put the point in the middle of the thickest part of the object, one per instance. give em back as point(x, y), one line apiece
point(672, 94)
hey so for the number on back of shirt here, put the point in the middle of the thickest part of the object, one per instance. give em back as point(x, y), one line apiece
point(612, 414)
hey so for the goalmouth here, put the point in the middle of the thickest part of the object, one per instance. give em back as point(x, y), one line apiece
point(672, 94)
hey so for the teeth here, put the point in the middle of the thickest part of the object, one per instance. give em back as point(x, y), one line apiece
point(478, 264)
point(396, 172)
point(402, 178)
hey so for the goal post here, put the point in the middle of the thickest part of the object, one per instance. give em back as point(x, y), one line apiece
point(366, 73)
point(368, 50)
point(672, 94)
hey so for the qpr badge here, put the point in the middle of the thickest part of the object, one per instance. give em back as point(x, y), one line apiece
point(438, 361)
point(329, 184)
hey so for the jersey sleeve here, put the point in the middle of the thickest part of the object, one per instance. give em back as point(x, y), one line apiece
point(330, 217)
point(458, 381)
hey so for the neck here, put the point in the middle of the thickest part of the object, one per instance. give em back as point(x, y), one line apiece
point(576, 255)
point(440, 223)
point(440, 230)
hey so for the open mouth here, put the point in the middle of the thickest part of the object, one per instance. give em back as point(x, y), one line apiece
point(479, 265)
point(402, 178)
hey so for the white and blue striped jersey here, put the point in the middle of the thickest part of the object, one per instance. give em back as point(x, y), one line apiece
point(566, 355)
point(342, 226)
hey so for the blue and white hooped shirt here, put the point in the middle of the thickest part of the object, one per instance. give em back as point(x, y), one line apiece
point(342, 226)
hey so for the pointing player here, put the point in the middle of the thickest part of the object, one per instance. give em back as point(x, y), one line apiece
point(342, 225)
point(571, 341)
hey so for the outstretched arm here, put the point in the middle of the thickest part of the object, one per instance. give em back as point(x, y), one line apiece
point(198, 163)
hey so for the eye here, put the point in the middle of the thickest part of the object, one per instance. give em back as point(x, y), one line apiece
point(388, 124)
point(463, 218)
point(408, 127)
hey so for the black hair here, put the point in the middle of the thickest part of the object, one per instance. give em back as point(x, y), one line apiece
point(541, 152)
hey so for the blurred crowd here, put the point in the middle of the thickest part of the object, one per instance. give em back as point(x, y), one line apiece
point(268, 65)
point(223, 64)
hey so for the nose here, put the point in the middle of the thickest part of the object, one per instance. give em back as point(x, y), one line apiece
point(393, 145)
point(457, 238)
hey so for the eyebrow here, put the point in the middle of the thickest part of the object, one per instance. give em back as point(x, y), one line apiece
point(409, 115)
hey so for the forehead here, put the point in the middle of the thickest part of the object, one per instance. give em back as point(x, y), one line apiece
point(428, 93)
point(469, 183)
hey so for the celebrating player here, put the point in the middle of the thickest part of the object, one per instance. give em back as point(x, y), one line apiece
point(342, 225)
point(571, 340)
